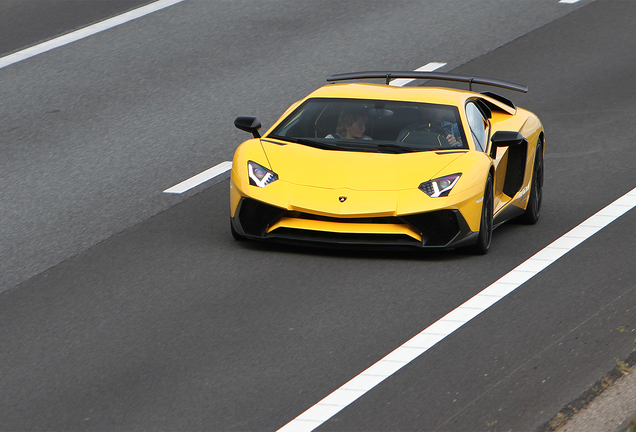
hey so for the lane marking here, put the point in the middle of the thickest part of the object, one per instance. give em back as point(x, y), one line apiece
point(436, 332)
point(200, 178)
point(401, 82)
point(569, 1)
point(85, 32)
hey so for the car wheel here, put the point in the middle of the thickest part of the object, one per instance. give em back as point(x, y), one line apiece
point(236, 235)
point(533, 211)
point(486, 223)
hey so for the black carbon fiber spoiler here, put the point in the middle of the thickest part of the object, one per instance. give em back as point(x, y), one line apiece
point(389, 75)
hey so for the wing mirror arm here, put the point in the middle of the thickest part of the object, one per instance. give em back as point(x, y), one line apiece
point(505, 139)
point(249, 124)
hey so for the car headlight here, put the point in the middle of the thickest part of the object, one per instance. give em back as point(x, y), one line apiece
point(440, 187)
point(259, 175)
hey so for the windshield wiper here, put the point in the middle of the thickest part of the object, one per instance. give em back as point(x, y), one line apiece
point(309, 142)
point(361, 146)
point(400, 148)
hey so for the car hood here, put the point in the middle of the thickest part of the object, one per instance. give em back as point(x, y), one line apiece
point(333, 169)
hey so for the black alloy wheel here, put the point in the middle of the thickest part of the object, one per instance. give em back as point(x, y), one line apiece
point(486, 223)
point(533, 210)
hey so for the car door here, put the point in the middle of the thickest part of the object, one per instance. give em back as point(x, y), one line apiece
point(479, 127)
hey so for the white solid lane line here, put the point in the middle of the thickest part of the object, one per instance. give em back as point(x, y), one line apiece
point(85, 32)
point(400, 82)
point(426, 339)
point(200, 178)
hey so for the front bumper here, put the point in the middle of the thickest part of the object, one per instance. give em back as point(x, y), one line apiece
point(436, 229)
point(291, 213)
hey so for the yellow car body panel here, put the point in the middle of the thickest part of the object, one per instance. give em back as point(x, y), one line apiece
point(328, 193)
point(351, 169)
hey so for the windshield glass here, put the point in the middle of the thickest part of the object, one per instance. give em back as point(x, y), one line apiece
point(373, 126)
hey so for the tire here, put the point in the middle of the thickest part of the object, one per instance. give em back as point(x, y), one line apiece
point(533, 210)
point(486, 222)
point(236, 235)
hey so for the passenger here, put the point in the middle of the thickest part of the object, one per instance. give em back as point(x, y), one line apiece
point(433, 120)
point(351, 125)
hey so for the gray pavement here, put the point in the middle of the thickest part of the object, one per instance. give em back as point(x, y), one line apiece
point(127, 321)
point(27, 22)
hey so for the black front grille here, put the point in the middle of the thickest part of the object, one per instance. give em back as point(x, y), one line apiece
point(293, 234)
point(437, 228)
point(256, 217)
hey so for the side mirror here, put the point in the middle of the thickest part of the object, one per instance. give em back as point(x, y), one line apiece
point(249, 124)
point(505, 139)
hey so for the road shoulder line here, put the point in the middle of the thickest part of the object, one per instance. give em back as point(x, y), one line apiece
point(449, 323)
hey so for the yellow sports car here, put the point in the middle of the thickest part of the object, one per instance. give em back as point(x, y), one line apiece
point(376, 164)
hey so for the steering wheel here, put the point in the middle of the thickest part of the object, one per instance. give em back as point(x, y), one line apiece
point(441, 134)
point(430, 128)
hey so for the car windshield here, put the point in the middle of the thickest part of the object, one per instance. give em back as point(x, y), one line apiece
point(373, 126)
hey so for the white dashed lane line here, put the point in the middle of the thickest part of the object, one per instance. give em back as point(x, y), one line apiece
point(427, 338)
point(200, 178)
point(85, 32)
point(426, 68)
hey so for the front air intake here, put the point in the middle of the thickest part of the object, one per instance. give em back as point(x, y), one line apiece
point(437, 228)
point(256, 217)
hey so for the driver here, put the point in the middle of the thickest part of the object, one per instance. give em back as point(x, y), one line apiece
point(433, 119)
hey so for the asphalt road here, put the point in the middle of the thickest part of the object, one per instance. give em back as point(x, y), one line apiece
point(93, 132)
point(25, 23)
point(126, 308)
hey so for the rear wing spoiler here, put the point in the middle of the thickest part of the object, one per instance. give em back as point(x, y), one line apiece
point(389, 75)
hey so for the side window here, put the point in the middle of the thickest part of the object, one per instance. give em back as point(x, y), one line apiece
point(478, 126)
